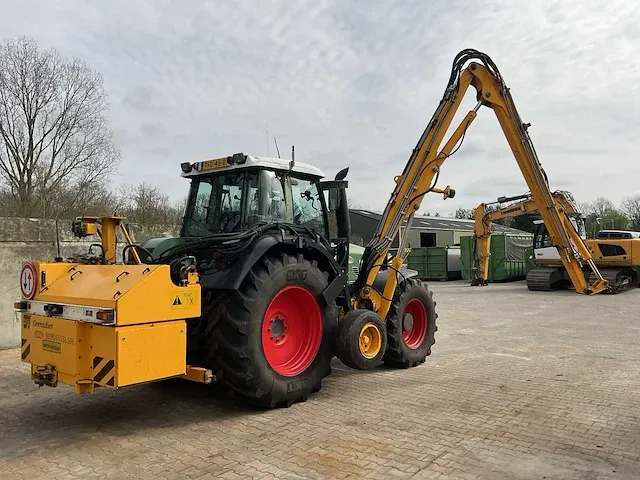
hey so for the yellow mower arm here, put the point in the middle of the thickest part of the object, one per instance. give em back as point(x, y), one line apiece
point(423, 167)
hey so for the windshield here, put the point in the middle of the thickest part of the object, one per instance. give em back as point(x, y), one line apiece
point(234, 201)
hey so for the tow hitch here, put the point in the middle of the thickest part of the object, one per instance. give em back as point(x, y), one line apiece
point(46, 375)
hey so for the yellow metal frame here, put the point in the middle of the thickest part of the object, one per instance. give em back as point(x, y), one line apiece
point(111, 325)
point(426, 160)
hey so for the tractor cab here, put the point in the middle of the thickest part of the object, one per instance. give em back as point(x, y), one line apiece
point(235, 197)
point(237, 193)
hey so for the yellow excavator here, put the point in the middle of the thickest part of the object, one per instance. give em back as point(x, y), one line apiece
point(254, 292)
point(615, 253)
point(485, 215)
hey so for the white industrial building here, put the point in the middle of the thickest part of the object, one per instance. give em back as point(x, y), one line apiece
point(425, 231)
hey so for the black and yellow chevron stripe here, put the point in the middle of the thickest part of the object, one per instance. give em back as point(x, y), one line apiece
point(26, 350)
point(103, 371)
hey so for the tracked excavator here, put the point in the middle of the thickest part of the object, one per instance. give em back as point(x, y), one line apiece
point(253, 294)
point(616, 254)
point(485, 215)
point(612, 252)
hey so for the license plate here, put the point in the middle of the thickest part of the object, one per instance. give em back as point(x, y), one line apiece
point(217, 163)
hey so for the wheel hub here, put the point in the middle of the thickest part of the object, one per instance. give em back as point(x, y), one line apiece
point(414, 323)
point(407, 322)
point(292, 329)
point(277, 328)
point(370, 340)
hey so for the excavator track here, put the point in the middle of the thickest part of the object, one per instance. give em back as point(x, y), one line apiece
point(546, 279)
point(620, 279)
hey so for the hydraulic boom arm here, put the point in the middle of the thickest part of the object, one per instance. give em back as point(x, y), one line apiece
point(421, 173)
point(484, 217)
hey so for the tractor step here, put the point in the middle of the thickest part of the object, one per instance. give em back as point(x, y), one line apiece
point(199, 374)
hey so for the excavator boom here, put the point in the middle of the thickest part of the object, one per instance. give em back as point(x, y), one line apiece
point(421, 173)
point(484, 218)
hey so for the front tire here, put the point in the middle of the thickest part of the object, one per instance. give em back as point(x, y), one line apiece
point(273, 341)
point(361, 340)
point(411, 325)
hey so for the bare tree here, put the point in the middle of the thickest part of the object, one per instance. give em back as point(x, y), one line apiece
point(147, 205)
point(602, 206)
point(53, 133)
point(631, 207)
point(465, 214)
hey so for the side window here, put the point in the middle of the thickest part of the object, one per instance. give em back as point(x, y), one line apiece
point(201, 205)
point(307, 207)
point(266, 198)
point(542, 238)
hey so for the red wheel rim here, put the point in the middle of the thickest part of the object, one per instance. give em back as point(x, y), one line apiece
point(292, 330)
point(414, 337)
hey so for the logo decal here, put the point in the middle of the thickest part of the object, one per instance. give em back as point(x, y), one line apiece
point(46, 325)
point(54, 347)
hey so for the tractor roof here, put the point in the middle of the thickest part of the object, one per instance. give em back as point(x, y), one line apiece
point(241, 161)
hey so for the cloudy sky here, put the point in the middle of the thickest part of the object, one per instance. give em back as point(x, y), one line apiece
point(353, 83)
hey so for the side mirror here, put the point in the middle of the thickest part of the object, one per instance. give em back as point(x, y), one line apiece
point(342, 174)
point(334, 199)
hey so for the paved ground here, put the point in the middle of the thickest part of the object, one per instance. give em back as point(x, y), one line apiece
point(521, 385)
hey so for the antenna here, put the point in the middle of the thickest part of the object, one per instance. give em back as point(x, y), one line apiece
point(277, 149)
point(59, 257)
point(293, 157)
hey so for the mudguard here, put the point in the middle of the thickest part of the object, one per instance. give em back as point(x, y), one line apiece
point(231, 278)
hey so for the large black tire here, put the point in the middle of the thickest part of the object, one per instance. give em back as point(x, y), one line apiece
point(348, 348)
point(235, 344)
point(405, 353)
point(200, 330)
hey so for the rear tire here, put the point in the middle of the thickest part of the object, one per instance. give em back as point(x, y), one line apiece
point(273, 342)
point(411, 336)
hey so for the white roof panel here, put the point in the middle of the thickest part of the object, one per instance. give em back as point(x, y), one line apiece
point(221, 165)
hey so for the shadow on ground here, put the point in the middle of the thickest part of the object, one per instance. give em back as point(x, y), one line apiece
point(64, 418)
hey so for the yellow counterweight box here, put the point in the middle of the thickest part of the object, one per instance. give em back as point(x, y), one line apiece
point(85, 355)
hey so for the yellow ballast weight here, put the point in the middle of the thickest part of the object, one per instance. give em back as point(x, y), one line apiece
point(104, 325)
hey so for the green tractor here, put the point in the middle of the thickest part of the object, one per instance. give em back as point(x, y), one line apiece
point(269, 240)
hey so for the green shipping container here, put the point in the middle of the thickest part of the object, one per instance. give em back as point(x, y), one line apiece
point(508, 260)
point(466, 255)
point(435, 263)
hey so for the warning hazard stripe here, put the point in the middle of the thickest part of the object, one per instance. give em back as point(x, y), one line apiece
point(26, 350)
point(101, 369)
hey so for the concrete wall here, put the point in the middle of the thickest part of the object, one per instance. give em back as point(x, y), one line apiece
point(35, 239)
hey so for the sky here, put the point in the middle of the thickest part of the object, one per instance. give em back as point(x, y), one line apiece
point(353, 84)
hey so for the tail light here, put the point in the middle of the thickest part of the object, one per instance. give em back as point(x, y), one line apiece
point(105, 316)
point(22, 305)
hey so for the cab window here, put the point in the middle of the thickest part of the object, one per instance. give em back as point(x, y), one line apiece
point(542, 238)
point(307, 206)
